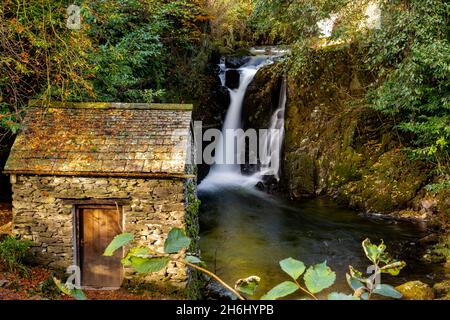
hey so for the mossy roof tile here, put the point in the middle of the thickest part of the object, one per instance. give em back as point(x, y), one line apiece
point(106, 138)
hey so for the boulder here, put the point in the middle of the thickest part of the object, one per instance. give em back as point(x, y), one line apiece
point(416, 290)
point(442, 289)
point(236, 62)
point(232, 79)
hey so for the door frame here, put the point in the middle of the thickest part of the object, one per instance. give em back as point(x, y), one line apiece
point(77, 234)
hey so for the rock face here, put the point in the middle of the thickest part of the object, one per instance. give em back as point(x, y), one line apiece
point(416, 290)
point(336, 145)
point(261, 98)
point(43, 213)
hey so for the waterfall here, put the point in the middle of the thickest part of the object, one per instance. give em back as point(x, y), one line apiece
point(226, 152)
point(270, 165)
point(226, 170)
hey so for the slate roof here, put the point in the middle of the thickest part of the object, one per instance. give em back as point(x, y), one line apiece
point(105, 139)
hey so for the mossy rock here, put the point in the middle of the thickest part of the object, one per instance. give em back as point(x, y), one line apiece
point(390, 184)
point(302, 166)
point(442, 289)
point(416, 290)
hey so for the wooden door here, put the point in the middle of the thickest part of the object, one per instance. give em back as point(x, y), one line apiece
point(98, 226)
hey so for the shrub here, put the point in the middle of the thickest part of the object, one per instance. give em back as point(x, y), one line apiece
point(13, 252)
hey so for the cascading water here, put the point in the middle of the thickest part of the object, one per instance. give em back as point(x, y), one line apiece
point(226, 170)
point(245, 231)
point(226, 152)
point(271, 163)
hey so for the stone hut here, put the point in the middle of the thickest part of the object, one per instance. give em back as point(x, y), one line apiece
point(82, 173)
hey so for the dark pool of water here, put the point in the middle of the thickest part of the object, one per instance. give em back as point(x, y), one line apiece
point(246, 233)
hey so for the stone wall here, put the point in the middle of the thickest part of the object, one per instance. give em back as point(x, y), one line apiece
point(43, 213)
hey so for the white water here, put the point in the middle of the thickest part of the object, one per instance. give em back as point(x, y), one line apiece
point(226, 153)
point(274, 142)
point(226, 170)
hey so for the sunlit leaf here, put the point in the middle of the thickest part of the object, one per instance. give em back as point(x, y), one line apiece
point(142, 252)
point(75, 293)
point(118, 242)
point(356, 274)
point(193, 259)
point(176, 241)
point(282, 290)
point(248, 285)
point(393, 268)
point(387, 291)
point(319, 277)
point(292, 267)
point(341, 296)
point(147, 265)
point(353, 282)
point(371, 250)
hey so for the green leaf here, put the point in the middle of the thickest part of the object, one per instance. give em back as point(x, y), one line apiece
point(141, 252)
point(341, 296)
point(193, 259)
point(176, 241)
point(387, 291)
point(393, 268)
point(356, 274)
point(148, 265)
point(354, 283)
point(62, 287)
point(248, 285)
point(118, 242)
point(292, 267)
point(77, 294)
point(319, 277)
point(371, 251)
point(283, 289)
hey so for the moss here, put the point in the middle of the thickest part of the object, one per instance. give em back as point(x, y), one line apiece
point(336, 144)
point(442, 249)
point(347, 169)
point(191, 219)
point(194, 289)
point(389, 184)
point(416, 290)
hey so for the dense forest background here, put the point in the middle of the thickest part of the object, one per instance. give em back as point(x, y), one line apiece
point(158, 51)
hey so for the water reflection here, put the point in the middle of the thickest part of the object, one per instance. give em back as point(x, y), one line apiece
point(246, 232)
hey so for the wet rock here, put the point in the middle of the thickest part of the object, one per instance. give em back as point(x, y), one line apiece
point(232, 79)
point(236, 62)
point(261, 98)
point(216, 291)
point(442, 289)
point(430, 239)
point(260, 186)
point(416, 290)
